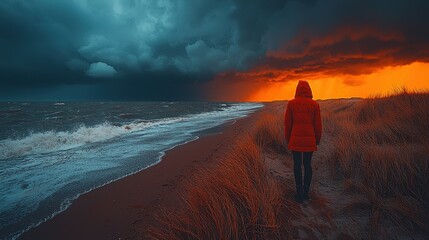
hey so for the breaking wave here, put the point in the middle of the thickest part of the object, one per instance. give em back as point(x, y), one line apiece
point(51, 141)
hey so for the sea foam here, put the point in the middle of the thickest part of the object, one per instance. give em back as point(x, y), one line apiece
point(50, 141)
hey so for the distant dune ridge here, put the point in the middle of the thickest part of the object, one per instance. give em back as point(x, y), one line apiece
point(371, 178)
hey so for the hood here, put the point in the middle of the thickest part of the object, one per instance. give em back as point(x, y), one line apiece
point(303, 90)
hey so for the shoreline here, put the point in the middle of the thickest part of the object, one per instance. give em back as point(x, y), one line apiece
point(119, 209)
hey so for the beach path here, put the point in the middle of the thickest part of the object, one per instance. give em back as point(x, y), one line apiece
point(323, 216)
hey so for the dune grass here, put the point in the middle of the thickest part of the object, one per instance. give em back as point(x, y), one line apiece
point(381, 149)
point(235, 198)
point(269, 133)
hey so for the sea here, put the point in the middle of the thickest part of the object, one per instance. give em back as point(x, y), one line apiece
point(52, 152)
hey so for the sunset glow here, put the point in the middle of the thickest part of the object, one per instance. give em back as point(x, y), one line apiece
point(414, 76)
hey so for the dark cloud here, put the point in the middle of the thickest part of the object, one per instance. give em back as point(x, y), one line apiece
point(168, 47)
point(331, 38)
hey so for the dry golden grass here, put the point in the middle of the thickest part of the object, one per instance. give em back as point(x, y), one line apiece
point(235, 198)
point(269, 133)
point(381, 149)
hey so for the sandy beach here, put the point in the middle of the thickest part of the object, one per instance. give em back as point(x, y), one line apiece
point(122, 209)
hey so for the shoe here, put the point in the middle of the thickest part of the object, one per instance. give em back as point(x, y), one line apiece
point(299, 194)
point(305, 195)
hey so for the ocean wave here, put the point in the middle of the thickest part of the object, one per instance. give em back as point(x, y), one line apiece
point(55, 113)
point(127, 115)
point(51, 141)
point(10, 111)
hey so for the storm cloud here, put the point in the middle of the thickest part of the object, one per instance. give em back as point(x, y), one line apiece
point(165, 49)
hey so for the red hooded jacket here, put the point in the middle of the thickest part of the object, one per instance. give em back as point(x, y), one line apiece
point(303, 125)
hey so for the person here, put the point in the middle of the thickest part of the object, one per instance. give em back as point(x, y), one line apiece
point(303, 131)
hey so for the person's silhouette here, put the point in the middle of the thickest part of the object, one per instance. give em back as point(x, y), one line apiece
point(303, 131)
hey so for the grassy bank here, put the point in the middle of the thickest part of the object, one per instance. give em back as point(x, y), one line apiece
point(235, 198)
point(381, 150)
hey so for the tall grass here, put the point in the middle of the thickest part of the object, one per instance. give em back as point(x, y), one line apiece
point(381, 148)
point(235, 198)
point(269, 133)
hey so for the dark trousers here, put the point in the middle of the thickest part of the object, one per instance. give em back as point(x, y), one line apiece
point(298, 158)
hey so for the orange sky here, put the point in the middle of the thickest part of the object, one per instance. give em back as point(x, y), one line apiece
point(346, 62)
point(414, 76)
